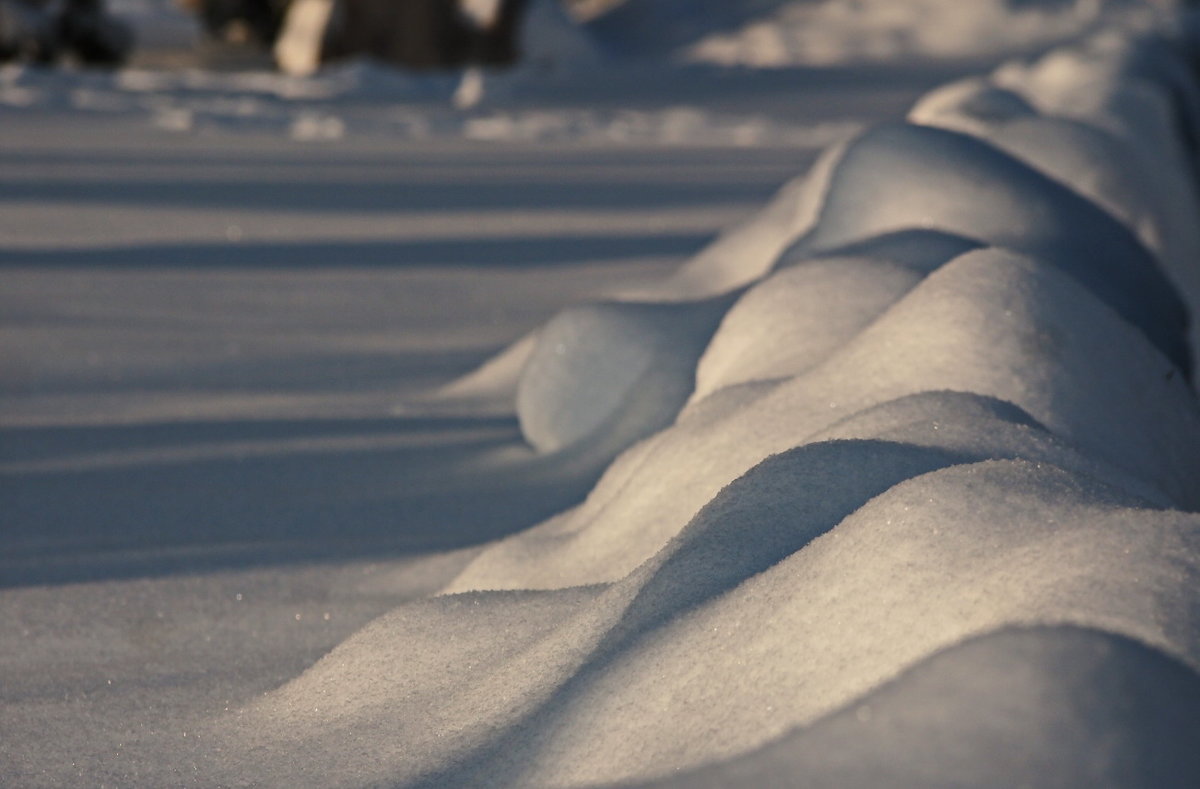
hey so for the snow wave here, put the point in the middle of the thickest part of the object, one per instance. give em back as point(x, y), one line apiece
point(910, 462)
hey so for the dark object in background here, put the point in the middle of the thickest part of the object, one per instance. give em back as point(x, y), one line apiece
point(45, 32)
point(255, 22)
point(417, 34)
point(421, 34)
point(87, 31)
point(26, 33)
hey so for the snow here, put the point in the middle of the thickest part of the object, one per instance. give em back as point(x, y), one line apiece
point(707, 630)
point(1134, 93)
point(988, 323)
point(1076, 154)
point(920, 730)
point(822, 302)
point(954, 183)
point(618, 367)
point(368, 101)
point(550, 41)
point(780, 33)
point(614, 420)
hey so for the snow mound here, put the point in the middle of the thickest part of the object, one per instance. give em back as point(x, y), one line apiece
point(907, 518)
point(1089, 160)
point(890, 181)
point(989, 322)
point(1137, 90)
point(625, 368)
point(822, 302)
point(749, 250)
point(707, 630)
point(896, 177)
point(1067, 706)
point(686, 307)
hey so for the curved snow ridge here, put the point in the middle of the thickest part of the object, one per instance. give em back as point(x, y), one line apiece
point(900, 503)
point(922, 729)
point(781, 603)
point(1103, 192)
point(989, 323)
point(1115, 119)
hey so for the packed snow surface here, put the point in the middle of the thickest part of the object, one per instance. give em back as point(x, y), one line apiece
point(892, 482)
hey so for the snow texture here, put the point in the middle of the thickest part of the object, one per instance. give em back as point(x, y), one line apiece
point(748, 617)
point(1044, 727)
point(592, 362)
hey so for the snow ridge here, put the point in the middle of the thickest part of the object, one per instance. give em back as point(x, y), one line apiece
point(908, 492)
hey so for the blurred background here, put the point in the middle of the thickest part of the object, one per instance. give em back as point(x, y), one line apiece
point(299, 35)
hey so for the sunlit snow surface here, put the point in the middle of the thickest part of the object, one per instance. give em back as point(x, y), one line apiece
point(358, 435)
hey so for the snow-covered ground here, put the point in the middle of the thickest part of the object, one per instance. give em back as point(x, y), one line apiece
point(366, 429)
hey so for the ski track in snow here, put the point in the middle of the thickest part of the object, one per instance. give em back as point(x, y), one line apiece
point(894, 482)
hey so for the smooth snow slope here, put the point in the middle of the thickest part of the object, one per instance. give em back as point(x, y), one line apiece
point(923, 729)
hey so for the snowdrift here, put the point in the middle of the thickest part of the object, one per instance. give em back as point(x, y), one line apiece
point(908, 497)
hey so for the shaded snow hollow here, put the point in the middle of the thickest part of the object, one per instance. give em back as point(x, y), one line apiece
point(904, 492)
